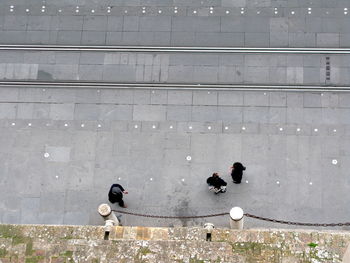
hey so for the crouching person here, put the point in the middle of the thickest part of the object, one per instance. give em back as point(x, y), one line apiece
point(216, 184)
point(115, 194)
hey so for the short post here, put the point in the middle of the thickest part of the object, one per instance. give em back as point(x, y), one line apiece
point(110, 218)
point(209, 227)
point(236, 218)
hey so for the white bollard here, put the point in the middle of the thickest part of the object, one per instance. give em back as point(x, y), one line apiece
point(236, 218)
point(106, 212)
point(110, 219)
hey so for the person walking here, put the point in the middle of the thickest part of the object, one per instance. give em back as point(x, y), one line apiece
point(237, 172)
point(216, 184)
point(115, 194)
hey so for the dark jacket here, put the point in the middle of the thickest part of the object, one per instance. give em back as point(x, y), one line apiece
point(237, 172)
point(115, 193)
point(216, 181)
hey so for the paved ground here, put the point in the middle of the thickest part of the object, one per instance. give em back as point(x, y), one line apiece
point(62, 148)
point(275, 23)
point(57, 163)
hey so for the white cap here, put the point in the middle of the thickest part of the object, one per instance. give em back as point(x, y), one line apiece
point(104, 210)
point(236, 213)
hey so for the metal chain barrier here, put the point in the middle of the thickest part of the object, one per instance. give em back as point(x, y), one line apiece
point(170, 217)
point(296, 223)
point(246, 214)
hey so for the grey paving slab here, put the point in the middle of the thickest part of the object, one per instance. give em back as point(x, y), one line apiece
point(87, 96)
point(256, 74)
point(38, 23)
point(155, 23)
point(132, 38)
point(131, 23)
point(84, 146)
point(93, 38)
point(343, 116)
point(278, 99)
point(294, 115)
point(86, 112)
point(46, 72)
point(29, 208)
point(182, 59)
point(149, 113)
point(312, 75)
point(90, 72)
point(25, 111)
point(218, 39)
point(115, 23)
point(277, 115)
point(327, 39)
point(181, 73)
point(117, 96)
point(256, 39)
point(256, 98)
point(15, 22)
point(230, 114)
point(72, 37)
point(39, 57)
point(67, 58)
point(344, 40)
point(11, 57)
point(312, 100)
point(205, 97)
point(142, 97)
point(95, 23)
point(161, 38)
point(124, 73)
point(295, 75)
point(277, 75)
point(231, 60)
point(231, 24)
point(71, 22)
point(8, 110)
point(110, 58)
point(205, 74)
point(182, 38)
point(230, 74)
point(62, 111)
point(253, 114)
point(3, 70)
point(41, 111)
point(159, 97)
point(9, 94)
point(204, 113)
point(91, 58)
point(279, 39)
point(331, 116)
point(180, 97)
point(313, 115)
point(76, 218)
point(65, 72)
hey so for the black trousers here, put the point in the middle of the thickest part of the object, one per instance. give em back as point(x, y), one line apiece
point(121, 202)
point(116, 199)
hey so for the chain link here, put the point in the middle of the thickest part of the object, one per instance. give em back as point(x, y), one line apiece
point(169, 217)
point(296, 223)
point(246, 214)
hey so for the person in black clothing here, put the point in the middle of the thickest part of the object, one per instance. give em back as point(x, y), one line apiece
point(216, 184)
point(115, 194)
point(237, 172)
